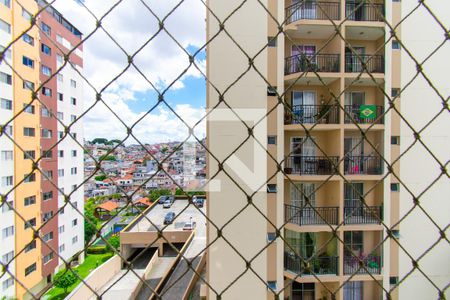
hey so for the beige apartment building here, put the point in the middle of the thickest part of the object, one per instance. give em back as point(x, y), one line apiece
point(336, 68)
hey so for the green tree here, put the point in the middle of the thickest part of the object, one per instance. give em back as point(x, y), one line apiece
point(64, 280)
point(100, 177)
point(114, 242)
point(164, 150)
point(99, 141)
point(89, 229)
point(108, 157)
point(155, 194)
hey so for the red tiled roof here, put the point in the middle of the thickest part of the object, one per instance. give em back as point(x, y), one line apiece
point(108, 206)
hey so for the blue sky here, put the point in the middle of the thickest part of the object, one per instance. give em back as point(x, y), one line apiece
point(193, 92)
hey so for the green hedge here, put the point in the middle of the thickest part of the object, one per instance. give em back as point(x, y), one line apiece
point(97, 250)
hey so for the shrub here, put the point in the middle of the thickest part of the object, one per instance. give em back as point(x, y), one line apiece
point(64, 280)
point(96, 250)
point(114, 242)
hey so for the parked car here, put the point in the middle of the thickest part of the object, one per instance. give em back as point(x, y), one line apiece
point(171, 198)
point(167, 204)
point(189, 226)
point(198, 201)
point(170, 216)
point(162, 199)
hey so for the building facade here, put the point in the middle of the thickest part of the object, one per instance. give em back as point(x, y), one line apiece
point(31, 137)
point(336, 70)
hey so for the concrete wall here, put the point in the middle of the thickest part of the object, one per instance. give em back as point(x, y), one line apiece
point(98, 278)
point(420, 103)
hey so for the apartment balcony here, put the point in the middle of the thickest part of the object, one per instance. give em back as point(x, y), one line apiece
point(355, 63)
point(363, 214)
point(371, 264)
point(322, 265)
point(311, 165)
point(312, 114)
point(360, 11)
point(313, 11)
point(311, 216)
point(363, 165)
point(312, 63)
point(363, 114)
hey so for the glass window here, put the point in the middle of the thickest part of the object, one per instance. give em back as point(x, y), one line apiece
point(73, 83)
point(6, 155)
point(7, 54)
point(48, 257)
point(30, 269)
point(6, 3)
point(5, 78)
point(395, 45)
point(29, 200)
point(46, 92)
point(30, 246)
point(73, 101)
point(354, 241)
point(46, 49)
point(28, 131)
point(26, 14)
point(27, 62)
point(28, 108)
point(60, 77)
point(6, 27)
point(5, 104)
point(46, 29)
point(7, 232)
point(60, 96)
point(28, 39)
point(29, 178)
point(46, 133)
point(45, 112)
point(46, 70)
point(28, 85)
point(30, 154)
point(7, 181)
point(30, 223)
point(47, 195)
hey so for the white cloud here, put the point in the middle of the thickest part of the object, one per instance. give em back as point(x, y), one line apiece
point(131, 25)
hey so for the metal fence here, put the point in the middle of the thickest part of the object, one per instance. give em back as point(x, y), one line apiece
point(302, 256)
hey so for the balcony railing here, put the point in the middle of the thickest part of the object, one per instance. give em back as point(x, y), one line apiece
point(311, 63)
point(359, 11)
point(312, 114)
point(311, 165)
point(372, 264)
point(363, 114)
point(323, 265)
point(363, 215)
point(311, 216)
point(355, 63)
point(363, 165)
point(308, 10)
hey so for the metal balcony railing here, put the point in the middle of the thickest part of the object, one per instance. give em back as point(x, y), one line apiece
point(311, 216)
point(355, 63)
point(322, 265)
point(372, 264)
point(311, 165)
point(308, 10)
point(360, 11)
point(363, 165)
point(363, 114)
point(362, 215)
point(312, 63)
point(312, 114)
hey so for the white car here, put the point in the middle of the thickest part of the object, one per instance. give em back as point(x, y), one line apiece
point(167, 204)
point(189, 226)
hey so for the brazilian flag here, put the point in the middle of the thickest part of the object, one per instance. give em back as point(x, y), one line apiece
point(368, 112)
